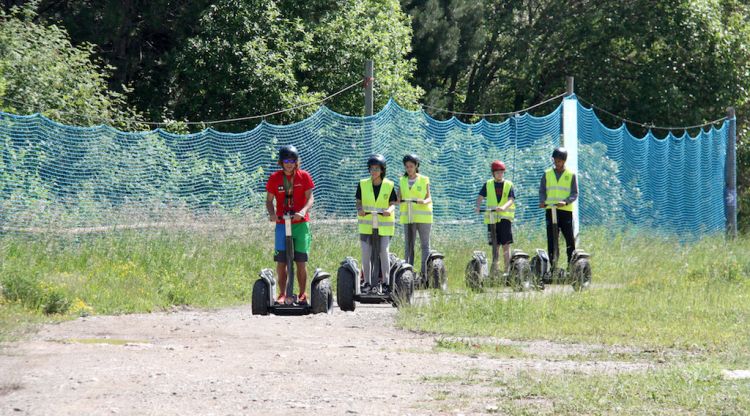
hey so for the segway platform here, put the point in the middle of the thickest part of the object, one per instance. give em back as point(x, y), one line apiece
point(319, 301)
point(349, 290)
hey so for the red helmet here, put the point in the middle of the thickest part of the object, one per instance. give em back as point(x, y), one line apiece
point(497, 165)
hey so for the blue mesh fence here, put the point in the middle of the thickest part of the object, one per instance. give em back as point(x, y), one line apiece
point(674, 184)
point(63, 176)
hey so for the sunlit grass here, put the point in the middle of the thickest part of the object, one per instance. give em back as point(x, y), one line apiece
point(678, 389)
point(653, 293)
point(687, 301)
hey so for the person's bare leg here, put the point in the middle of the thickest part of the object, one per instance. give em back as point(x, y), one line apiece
point(302, 276)
point(281, 272)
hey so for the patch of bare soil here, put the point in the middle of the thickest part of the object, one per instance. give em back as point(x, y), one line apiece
point(228, 362)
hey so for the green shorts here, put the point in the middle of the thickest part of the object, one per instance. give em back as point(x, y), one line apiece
point(300, 235)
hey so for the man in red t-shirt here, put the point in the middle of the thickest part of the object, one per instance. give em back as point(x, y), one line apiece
point(292, 188)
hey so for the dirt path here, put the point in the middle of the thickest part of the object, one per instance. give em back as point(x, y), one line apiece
point(228, 362)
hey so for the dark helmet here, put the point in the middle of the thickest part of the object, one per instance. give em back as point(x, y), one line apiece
point(377, 159)
point(288, 152)
point(560, 153)
point(411, 157)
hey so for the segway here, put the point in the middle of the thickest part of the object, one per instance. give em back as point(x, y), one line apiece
point(435, 275)
point(321, 296)
point(546, 270)
point(478, 275)
point(399, 279)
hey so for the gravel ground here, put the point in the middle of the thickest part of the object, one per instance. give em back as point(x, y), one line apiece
point(228, 362)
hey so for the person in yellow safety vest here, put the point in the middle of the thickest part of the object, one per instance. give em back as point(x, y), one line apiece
point(415, 187)
point(559, 186)
point(376, 194)
point(501, 197)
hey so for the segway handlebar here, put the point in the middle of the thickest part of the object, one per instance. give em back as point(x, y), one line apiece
point(409, 212)
point(287, 217)
point(491, 211)
point(553, 209)
point(374, 213)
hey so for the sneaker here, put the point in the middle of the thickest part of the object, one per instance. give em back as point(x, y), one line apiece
point(365, 288)
point(385, 288)
point(302, 299)
point(281, 299)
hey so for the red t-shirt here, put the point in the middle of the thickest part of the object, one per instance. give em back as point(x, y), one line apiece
point(302, 182)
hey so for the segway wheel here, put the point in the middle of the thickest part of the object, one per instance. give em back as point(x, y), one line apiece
point(322, 297)
point(521, 277)
point(345, 282)
point(537, 272)
point(581, 274)
point(404, 288)
point(474, 276)
point(260, 298)
point(439, 275)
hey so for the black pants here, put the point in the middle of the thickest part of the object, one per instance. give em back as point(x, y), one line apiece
point(565, 224)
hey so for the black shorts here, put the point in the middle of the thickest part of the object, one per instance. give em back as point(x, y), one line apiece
point(503, 231)
point(280, 256)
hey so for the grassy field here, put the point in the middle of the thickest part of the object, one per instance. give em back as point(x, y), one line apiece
point(682, 305)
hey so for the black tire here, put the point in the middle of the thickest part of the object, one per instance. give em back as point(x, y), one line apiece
point(581, 274)
point(536, 272)
point(345, 282)
point(260, 298)
point(474, 276)
point(521, 277)
point(403, 293)
point(322, 297)
point(438, 278)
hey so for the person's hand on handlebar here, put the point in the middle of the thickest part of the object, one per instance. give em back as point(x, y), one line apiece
point(300, 215)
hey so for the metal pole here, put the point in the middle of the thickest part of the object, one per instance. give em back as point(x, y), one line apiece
point(569, 139)
point(570, 83)
point(369, 78)
point(730, 176)
point(368, 81)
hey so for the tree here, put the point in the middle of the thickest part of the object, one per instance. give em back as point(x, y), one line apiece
point(40, 71)
point(254, 57)
point(447, 36)
point(670, 62)
point(136, 38)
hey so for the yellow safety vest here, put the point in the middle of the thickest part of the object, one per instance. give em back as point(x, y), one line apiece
point(492, 202)
point(558, 190)
point(420, 213)
point(385, 225)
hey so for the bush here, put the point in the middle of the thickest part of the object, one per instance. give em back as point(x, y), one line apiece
point(35, 294)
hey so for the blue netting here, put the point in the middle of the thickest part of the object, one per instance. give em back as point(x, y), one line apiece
point(53, 174)
point(675, 184)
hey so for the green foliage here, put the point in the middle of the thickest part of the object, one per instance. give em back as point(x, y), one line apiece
point(35, 293)
point(671, 63)
point(599, 174)
point(447, 37)
point(256, 57)
point(41, 71)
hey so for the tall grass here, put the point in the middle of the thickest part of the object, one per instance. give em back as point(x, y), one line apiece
point(652, 292)
point(657, 292)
